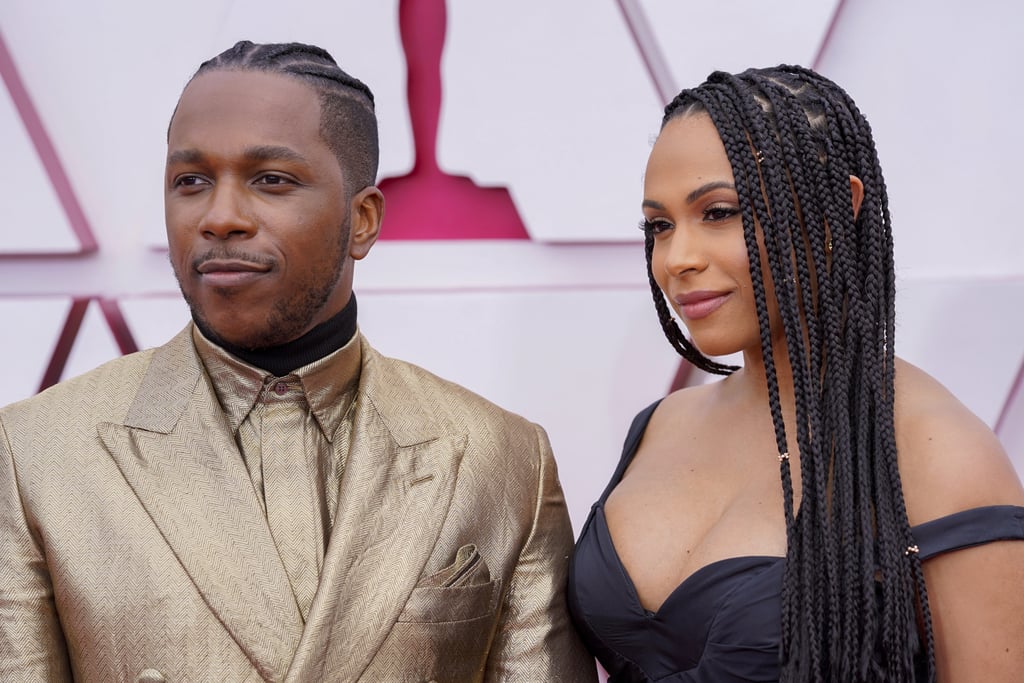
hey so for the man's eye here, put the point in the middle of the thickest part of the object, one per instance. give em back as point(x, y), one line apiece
point(272, 179)
point(188, 180)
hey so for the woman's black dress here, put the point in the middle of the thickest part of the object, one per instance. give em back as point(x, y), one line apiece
point(723, 623)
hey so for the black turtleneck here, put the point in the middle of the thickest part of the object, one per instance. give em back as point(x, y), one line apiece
point(322, 340)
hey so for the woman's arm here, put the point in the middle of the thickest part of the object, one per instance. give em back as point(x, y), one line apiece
point(951, 461)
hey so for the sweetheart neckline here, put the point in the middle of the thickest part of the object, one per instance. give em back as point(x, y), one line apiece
point(755, 559)
point(680, 587)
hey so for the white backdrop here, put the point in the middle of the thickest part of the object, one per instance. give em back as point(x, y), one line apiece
point(557, 102)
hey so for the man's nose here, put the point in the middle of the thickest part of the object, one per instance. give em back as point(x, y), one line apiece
point(228, 215)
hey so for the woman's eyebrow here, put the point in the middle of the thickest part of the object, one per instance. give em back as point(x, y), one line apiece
point(708, 187)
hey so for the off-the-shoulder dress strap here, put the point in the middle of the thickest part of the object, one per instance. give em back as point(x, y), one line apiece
point(968, 528)
point(633, 436)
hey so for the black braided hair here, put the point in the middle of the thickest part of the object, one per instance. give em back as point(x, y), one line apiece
point(854, 606)
point(348, 123)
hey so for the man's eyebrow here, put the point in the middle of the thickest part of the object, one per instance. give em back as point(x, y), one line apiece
point(274, 153)
point(256, 153)
point(184, 156)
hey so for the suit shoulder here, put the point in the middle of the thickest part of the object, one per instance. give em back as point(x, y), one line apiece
point(445, 396)
point(106, 389)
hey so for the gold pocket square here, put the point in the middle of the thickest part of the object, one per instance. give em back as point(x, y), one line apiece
point(460, 592)
point(467, 569)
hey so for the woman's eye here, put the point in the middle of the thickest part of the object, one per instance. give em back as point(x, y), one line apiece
point(716, 214)
point(655, 227)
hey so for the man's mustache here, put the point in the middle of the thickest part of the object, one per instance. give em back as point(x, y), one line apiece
point(225, 254)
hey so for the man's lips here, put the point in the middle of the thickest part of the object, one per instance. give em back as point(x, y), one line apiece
point(229, 272)
point(697, 305)
point(231, 266)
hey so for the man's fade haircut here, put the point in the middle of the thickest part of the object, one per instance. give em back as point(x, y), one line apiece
point(348, 122)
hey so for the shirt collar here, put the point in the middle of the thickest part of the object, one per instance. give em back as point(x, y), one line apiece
point(329, 384)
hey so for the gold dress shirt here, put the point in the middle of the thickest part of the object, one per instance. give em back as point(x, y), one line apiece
point(293, 433)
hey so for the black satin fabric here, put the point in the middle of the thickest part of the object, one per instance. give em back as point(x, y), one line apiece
point(723, 623)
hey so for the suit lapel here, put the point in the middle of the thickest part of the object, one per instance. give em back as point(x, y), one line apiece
point(398, 483)
point(177, 453)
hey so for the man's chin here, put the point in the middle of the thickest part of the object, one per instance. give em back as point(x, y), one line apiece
point(229, 334)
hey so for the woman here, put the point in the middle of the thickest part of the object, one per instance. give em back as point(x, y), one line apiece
point(887, 553)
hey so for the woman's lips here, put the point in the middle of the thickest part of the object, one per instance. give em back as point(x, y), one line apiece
point(697, 305)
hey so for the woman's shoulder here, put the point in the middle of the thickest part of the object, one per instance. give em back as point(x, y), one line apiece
point(949, 458)
point(682, 408)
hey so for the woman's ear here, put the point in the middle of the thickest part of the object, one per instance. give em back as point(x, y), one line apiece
point(857, 190)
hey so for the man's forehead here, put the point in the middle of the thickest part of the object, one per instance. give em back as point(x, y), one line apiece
point(245, 88)
point(250, 100)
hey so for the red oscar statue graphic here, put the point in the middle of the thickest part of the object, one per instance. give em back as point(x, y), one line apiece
point(428, 204)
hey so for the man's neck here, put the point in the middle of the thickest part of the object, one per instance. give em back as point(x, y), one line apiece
point(322, 340)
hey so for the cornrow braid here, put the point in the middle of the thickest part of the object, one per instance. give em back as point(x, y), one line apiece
point(348, 123)
point(851, 595)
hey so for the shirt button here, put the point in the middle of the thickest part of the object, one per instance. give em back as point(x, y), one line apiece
point(281, 388)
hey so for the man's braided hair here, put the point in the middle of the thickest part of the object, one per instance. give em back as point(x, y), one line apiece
point(348, 123)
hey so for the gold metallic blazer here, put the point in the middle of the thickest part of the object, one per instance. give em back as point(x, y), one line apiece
point(133, 548)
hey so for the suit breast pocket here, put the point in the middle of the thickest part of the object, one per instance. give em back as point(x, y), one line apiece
point(462, 591)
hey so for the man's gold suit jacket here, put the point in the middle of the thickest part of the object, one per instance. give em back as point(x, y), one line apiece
point(133, 547)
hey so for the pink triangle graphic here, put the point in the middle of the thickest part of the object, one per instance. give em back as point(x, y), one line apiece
point(46, 151)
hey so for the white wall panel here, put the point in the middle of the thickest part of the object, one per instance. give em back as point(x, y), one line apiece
point(967, 334)
point(153, 320)
point(31, 217)
point(939, 83)
point(1011, 428)
point(697, 38)
point(554, 102)
point(31, 329)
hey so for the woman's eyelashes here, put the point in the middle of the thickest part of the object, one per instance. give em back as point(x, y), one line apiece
point(719, 213)
point(654, 227)
point(712, 214)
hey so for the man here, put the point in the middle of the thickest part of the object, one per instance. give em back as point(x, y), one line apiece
point(266, 497)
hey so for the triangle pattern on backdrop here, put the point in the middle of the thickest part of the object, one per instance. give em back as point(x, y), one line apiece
point(38, 208)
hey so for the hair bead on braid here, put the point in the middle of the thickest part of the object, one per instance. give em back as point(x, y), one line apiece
point(853, 591)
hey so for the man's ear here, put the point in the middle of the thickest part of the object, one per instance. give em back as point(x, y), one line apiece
point(857, 190)
point(367, 214)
